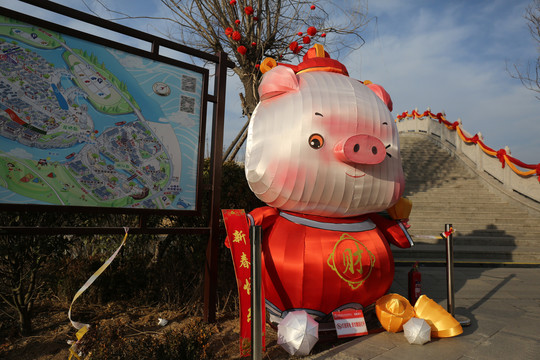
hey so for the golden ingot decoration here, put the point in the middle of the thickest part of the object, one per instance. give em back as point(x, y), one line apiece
point(393, 310)
point(401, 210)
point(441, 322)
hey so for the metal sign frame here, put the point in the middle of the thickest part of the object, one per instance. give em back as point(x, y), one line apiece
point(154, 55)
point(217, 98)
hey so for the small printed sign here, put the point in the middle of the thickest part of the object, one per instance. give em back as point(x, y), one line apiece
point(349, 323)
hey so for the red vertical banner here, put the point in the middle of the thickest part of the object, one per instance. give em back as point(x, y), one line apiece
point(239, 243)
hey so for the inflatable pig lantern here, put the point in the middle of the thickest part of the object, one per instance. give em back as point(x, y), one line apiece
point(323, 153)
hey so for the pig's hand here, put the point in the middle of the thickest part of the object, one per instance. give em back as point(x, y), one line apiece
point(264, 216)
point(393, 230)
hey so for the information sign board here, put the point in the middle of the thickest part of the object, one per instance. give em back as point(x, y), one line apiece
point(83, 124)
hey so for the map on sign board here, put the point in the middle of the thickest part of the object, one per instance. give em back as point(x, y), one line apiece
point(82, 124)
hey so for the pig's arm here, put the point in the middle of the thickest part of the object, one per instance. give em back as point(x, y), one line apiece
point(264, 216)
point(394, 230)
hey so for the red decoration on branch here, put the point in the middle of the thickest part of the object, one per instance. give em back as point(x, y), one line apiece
point(248, 10)
point(312, 30)
point(236, 36)
point(237, 22)
point(229, 31)
point(323, 35)
point(242, 49)
point(306, 40)
point(312, 7)
point(254, 44)
point(232, 2)
point(293, 45)
point(299, 33)
point(298, 49)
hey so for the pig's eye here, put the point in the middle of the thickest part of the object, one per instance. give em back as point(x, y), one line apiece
point(316, 141)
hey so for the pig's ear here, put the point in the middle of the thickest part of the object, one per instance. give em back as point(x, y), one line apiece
point(277, 81)
point(381, 93)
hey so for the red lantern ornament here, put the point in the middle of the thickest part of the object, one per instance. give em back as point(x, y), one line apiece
point(312, 7)
point(229, 31)
point(299, 33)
point(241, 49)
point(237, 22)
point(298, 49)
point(293, 45)
point(323, 35)
point(248, 10)
point(232, 2)
point(236, 36)
point(255, 18)
point(306, 40)
point(312, 30)
point(254, 44)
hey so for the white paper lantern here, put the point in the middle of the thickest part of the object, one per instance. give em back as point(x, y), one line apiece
point(298, 333)
point(417, 331)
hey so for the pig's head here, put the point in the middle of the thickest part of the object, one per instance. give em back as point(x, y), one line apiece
point(322, 143)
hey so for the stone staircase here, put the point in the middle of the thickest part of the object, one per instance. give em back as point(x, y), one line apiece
point(489, 228)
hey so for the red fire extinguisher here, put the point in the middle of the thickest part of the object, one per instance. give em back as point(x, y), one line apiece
point(415, 284)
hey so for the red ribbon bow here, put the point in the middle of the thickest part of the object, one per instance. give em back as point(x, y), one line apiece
point(500, 155)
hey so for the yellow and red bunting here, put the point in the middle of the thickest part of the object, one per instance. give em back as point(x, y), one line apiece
point(501, 154)
point(238, 242)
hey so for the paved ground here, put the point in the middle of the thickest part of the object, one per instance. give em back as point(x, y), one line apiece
point(502, 303)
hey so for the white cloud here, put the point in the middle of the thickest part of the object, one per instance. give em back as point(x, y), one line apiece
point(452, 57)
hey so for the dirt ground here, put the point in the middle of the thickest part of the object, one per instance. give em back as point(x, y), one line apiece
point(52, 330)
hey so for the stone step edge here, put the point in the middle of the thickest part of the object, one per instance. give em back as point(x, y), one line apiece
point(465, 263)
point(470, 248)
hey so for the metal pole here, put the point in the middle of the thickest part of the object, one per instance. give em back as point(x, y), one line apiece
point(212, 249)
point(256, 296)
point(449, 268)
point(464, 321)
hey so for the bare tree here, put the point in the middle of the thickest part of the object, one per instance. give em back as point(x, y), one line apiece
point(530, 76)
point(250, 30)
point(21, 260)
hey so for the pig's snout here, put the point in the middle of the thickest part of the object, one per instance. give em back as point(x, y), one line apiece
point(360, 149)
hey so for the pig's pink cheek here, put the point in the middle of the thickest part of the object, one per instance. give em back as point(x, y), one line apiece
point(283, 175)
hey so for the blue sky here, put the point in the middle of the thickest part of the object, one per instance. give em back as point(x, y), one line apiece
point(450, 56)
